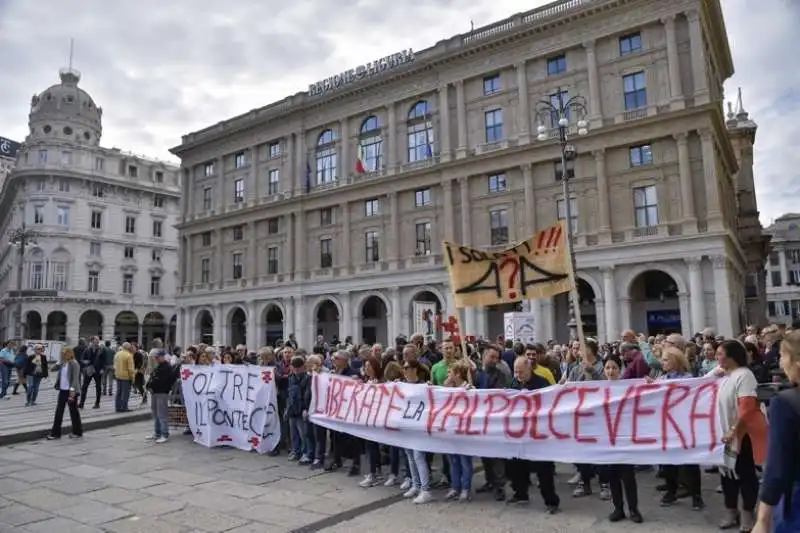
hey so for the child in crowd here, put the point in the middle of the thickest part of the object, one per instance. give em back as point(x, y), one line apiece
point(297, 410)
point(461, 467)
point(414, 373)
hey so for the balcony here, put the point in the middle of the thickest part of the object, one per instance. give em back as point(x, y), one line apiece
point(418, 165)
point(491, 147)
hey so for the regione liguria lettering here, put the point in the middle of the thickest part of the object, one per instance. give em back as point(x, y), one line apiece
point(536, 268)
point(231, 405)
point(604, 422)
point(361, 72)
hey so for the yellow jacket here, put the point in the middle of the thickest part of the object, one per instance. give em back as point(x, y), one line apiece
point(123, 366)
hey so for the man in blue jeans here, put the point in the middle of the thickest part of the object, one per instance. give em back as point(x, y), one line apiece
point(7, 355)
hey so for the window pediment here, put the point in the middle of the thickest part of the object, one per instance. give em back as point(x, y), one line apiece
point(129, 269)
point(94, 264)
point(156, 271)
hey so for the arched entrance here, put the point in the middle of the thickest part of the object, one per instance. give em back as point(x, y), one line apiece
point(273, 324)
point(328, 320)
point(56, 326)
point(425, 307)
point(33, 325)
point(126, 327)
point(154, 326)
point(172, 332)
point(496, 323)
point(204, 327)
point(90, 324)
point(655, 306)
point(587, 296)
point(238, 322)
point(374, 323)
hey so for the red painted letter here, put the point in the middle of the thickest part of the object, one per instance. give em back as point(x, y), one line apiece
point(576, 417)
point(638, 411)
point(560, 394)
point(666, 413)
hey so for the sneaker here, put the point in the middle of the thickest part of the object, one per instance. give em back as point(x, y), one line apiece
point(582, 490)
point(518, 499)
point(406, 484)
point(697, 503)
point(316, 465)
point(423, 497)
point(668, 499)
point(52, 437)
point(411, 493)
point(161, 440)
point(636, 517)
point(616, 516)
point(304, 460)
point(368, 481)
point(451, 495)
point(465, 496)
point(574, 480)
point(293, 456)
point(605, 492)
point(152, 437)
point(443, 483)
point(552, 509)
point(74, 436)
point(391, 481)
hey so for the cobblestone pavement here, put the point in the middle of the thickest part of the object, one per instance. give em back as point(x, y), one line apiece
point(112, 481)
point(15, 418)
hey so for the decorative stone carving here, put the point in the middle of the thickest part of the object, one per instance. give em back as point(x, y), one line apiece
point(720, 262)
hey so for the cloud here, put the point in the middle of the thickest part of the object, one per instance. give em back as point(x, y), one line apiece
point(163, 68)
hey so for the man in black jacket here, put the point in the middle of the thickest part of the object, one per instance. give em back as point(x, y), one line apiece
point(94, 360)
point(161, 381)
point(526, 379)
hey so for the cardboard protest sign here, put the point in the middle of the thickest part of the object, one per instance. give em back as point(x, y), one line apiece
point(232, 405)
point(629, 422)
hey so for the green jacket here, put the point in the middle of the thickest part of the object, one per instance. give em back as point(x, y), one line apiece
point(439, 372)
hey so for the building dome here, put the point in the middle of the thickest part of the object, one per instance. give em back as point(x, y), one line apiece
point(65, 111)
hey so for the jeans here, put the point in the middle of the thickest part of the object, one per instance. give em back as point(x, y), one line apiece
point(123, 394)
point(374, 455)
point(87, 380)
point(107, 380)
point(5, 378)
point(461, 471)
point(158, 406)
point(320, 442)
point(394, 460)
point(297, 429)
point(418, 468)
point(74, 415)
point(33, 388)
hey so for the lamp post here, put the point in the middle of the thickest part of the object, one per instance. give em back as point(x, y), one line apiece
point(20, 238)
point(557, 112)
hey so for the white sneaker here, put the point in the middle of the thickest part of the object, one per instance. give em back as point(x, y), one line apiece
point(161, 440)
point(574, 480)
point(406, 484)
point(150, 437)
point(452, 494)
point(424, 496)
point(368, 481)
point(410, 493)
point(465, 496)
point(391, 481)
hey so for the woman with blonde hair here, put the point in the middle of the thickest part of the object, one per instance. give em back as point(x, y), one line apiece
point(68, 387)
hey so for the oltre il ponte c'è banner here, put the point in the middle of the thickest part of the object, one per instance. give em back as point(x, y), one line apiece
point(602, 422)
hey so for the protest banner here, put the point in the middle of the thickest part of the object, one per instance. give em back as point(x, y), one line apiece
point(232, 405)
point(536, 268)
point(601, 422)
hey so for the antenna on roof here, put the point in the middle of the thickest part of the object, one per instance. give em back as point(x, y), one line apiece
point(71, 51)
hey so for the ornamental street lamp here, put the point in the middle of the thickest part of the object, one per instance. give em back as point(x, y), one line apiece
point(558, 112)
point(21, 238)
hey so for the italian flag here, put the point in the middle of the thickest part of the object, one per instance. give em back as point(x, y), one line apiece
point(361, 163)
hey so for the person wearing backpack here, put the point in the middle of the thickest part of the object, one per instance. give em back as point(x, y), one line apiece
point(779, 499)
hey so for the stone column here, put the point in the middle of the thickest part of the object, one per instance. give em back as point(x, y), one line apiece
point(186, 324)
point(346, 236)
point(461, 113)
point(482, 324)
point(538, 320)
point(253, 338)
point(611, 303)
point(604, 207)
point(784, 269)
point(696, 295)
point(344, 166)
point(290, 170)
point(252, 253)
point(445, 147)
point(287, 251)
point(391, 152)
point(220, 259)
point(470, 326)
point(595, 99)
point(722, 297)
point(394, 223)
point(397, 315)
point(687, 185)
point(684, 306)
point(673, 61)
point(348, 314)
point(625, 313)
point(301, 165)
point(186, 187)
point(449, 220)
point(222, 193)
point(600, 316)
point(288, 318)
point(548, 320)
point(301, 246)
point(304, 327)
point(466, 215)
point(699, 67)
point(530, 199)
point(523, 113)
point(711, 180)
point(252, 187)
point(219, 325)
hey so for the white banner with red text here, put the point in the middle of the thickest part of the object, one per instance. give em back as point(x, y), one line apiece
point(232, 405)
point(598, 422)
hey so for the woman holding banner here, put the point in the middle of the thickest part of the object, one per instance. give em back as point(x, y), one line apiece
point(344, 446)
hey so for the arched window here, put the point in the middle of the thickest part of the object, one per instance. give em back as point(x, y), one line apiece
point(369, 146)
point(420, 132)
point(58, 278)
point(36, 270)
point(326, 158)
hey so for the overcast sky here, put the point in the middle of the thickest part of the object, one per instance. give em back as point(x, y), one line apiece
point(163, 68)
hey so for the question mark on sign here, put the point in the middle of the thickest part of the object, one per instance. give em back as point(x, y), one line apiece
point(512, 279)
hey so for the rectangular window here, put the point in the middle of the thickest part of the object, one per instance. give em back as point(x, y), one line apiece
point(325, 253)
point(372, 208)
point(40, 185)
point(630, 43)
point(274, 149)
point(239, 160)
point(422, 197)
point(238, 270)
point(36, 281)
point(158, 227)
point(635, 88)
point(238, 233)
point(794, 255)
point(777, 281)
point(771, 310)
point(158, 201)
point(93, 283)
point(641, 155)
point(155, 286)
point(59, 276)
point(97, 220)
point(205, 238)
point(155, 255)
point(326, 166)
point(207, 199)
point(42, 157)
point(272, 260)
point(99, 163)
point(420, 141)
point(159, 176)
point(66, 158)
point(645, 202)
point(498, 221)
point(130, 252)
point(98, 190)
point(130, 225)
point(62, 218)
point(133, 171)
point(274, 181)
point(326, 216)
point(493, 121)
point(561, 212)
point(127, 284)
point(371, 247)
point(63, 185)
point(774, 259)
point(497, 183)
point(205, 270)
point(238, 191)
point(38, 215)
point(558, 101)
point(95, 249)
point(491, 84)
point(559, 171)
point(557, 65)
point(423, 236)
point(208, 169)
point(273, 226)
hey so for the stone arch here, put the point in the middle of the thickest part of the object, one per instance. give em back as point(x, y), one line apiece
point(663, 267)
point(319, 300)
point(269, 305)
point(154, 326)
point(433, 290)
point(90, 324)
point(126, 326)
point(329, 328)
point(274, 330)
point(596, 288)
point(655, 300)
point(204, 326)
point(237, 325)
point(233, 309)
point(378, 294)
point(34, 322)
